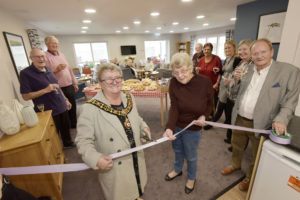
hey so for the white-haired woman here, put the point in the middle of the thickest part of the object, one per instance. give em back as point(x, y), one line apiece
point(107, 124)
point(191, 99)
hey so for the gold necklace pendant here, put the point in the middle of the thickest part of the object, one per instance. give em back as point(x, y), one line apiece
point(127, 123)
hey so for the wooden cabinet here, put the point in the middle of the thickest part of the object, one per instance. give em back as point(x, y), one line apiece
point(39, 145)
point(184, 47)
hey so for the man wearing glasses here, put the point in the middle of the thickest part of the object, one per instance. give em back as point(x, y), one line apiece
point(38, 83)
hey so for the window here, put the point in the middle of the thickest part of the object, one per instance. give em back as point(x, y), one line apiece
point(158, 49)
point(217, 41)
point(90, 53)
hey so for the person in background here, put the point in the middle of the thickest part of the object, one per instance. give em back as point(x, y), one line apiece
point(191, 99)
point(198, 55)
point(225, 104)
point(38, 83)
point(122, 64)
point(115, 61)
point(131, 67)
point(110, 123)
point(63, 72)
point(210, 65)
point(266, 98)
point(149, 65)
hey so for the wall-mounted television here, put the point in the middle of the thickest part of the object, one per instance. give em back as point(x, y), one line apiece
point(128, 50)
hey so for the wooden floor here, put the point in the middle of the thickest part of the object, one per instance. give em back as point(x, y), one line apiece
point(234, 194)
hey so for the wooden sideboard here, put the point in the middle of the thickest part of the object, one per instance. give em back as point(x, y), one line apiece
point(39, 145)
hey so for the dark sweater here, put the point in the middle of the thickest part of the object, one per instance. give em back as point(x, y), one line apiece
point(189, 101)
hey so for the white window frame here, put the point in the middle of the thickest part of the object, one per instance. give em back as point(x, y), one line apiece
point(80, 64)
point(167, 58)
point(215, 48)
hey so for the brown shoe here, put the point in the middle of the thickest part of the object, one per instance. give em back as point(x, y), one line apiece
point(228, 170)
point(244, 185)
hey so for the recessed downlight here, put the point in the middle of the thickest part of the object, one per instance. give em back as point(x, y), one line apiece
point(118, 31)
point(90, 10)
point(205, 24)
point(82, 31)
point(175, 23)
point(87, 21)
point(154, 14)
point(85, 27)
point(200, 16)
point(232, 19)
point(137, 22)
point(125, 27)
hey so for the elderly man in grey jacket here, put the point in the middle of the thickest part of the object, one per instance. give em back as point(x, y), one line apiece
point(266, 98)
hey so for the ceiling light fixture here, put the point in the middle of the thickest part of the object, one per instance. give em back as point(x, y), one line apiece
point(186, 28)
point(175, 23)
point(232, 19)
point(205, 24)
point(200, 16)
point(137, 22)
point(154, 14)
point(118, 31)
point(146, 31)
point(171, 31)
point(84, 27)
point(83, 31)
point(186, 1)
point(157, 34)
point(90, 10)
point(158, 28)
point(125, 27)
point(86, 21)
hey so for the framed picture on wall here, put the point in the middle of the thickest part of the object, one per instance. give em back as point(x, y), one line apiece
point(17, 51)
point(270, 26)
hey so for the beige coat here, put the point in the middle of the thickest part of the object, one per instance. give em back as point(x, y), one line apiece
point(278, 97)
point(101, 133)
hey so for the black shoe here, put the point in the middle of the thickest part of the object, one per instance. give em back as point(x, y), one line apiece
point(227, 141)
point(189, 190)
point(230, 149)
point(168, 178)
point(207, 127)
point(70, 145)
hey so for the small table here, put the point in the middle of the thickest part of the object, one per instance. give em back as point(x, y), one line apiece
point(85, 80)
point(91, 91)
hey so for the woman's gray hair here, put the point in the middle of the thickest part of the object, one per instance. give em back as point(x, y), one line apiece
point(49, 38)
point(181, 59)
point(107, 67)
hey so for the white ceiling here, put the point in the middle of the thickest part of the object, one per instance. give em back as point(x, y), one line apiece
point(62, 17)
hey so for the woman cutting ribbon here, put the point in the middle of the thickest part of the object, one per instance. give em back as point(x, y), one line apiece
point(107, 124)
point(191, 99)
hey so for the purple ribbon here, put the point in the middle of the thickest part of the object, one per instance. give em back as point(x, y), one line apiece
point(82, 166)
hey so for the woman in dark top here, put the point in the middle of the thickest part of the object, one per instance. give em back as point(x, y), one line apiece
point(226, 105)
point(191, 99)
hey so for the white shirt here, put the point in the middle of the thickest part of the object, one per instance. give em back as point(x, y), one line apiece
point(252, 92)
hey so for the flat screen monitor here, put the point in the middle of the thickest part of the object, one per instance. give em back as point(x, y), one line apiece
point(128, 50)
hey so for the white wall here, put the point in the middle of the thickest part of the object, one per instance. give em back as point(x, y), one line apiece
point(114, 42)
point(289, 49)
point(9, 83)
point(214, 31)
point(8, 77)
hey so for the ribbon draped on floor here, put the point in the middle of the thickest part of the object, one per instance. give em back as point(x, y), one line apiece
point(286, 139)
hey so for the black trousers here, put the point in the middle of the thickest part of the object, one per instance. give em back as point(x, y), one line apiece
point(227, 108)
point(62, 124)
point(69, 92)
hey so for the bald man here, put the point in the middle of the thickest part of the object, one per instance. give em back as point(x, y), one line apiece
point(38, 83)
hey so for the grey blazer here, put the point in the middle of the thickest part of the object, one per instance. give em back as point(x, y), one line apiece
point(278, 97)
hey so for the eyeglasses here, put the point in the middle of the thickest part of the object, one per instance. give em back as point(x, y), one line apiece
point(184, 72)
point(39, 57)
point(111, 80)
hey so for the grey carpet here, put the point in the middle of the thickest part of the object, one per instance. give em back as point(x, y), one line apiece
point(212, 157)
